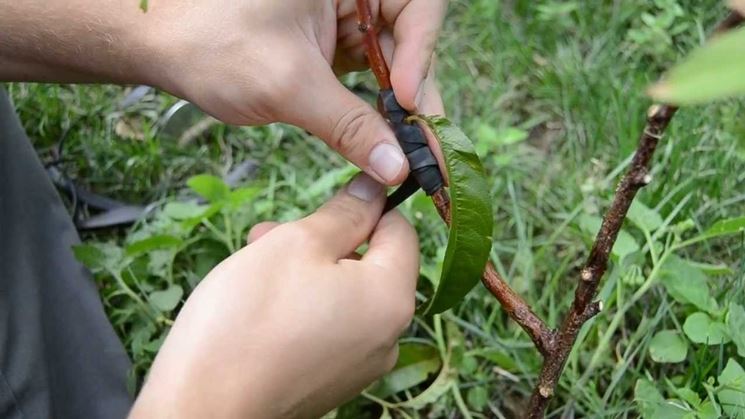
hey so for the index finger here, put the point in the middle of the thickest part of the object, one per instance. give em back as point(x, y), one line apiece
point(394, 246)
point(416, 26)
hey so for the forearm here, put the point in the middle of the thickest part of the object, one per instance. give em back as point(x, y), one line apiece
point(73, 41)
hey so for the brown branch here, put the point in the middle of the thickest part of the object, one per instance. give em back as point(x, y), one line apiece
point(374, 53)
point(583, 309)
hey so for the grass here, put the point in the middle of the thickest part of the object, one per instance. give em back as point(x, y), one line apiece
point(552, 92)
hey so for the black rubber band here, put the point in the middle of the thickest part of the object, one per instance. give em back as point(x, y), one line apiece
point(413, 141)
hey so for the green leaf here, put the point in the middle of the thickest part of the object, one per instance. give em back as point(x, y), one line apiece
point(100, 256)
point(726, 227)
point(209, 187)
point(488, 138)
point(731, 393)
point(625, 244)
point(713, 71)
point(700, 328)
point(168, 299)
point(416, 362)
point(153, 243)
point(687, 284)
point(445, 379)
point(478, 398)
point(736, 326)
point(652, 405)
point(143, 5)
point(644, 217)
point(470, 239)
point(497, 356)
point(668, 346)
point(90, 256)
point(184, 210)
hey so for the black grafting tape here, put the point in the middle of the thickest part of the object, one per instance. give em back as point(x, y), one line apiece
point(413, 142)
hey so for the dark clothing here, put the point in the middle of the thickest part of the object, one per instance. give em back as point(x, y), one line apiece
point(59, 356)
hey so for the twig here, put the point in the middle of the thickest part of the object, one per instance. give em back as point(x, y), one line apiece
point(374, 53)
point(583, 309)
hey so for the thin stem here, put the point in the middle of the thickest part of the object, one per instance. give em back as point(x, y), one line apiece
point(375, 56)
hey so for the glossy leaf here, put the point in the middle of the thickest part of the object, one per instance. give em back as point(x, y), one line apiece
point(668, 346)
point(700, 328)
point(470, 239)
point(714, 71)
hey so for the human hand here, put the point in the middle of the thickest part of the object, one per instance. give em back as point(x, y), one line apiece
point(295, 323)
point(267, 61)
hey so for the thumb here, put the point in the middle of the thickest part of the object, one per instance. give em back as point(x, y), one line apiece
point(347, 124)
point(346, 221)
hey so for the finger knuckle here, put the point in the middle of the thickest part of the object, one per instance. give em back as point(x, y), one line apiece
point(346, 215)
point(299, 234)
point(347, 130)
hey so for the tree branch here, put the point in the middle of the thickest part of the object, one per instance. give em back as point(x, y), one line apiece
point(583, 309)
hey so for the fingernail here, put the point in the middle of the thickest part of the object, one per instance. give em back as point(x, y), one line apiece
point(364, 187)
point(386, 160)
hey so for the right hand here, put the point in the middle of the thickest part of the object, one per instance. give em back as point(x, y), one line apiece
point(295, 323)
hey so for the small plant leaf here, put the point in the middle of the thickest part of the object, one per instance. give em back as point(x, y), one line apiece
point(668, 346)
point(478, 398)
point(469, 241)
point(153, 243)
point(209, 187)
point(687, 284)
point(731, 393)
point(714, 71)
point(726, 227)
point(184, 210)
point(168, 299)
point(416, 362)
point(652, 405)
point(736, 326)
point(700, 328)
point(644, 217)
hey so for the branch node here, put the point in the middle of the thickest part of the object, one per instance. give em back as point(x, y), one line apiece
point(546, 392)
point(586, 274)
